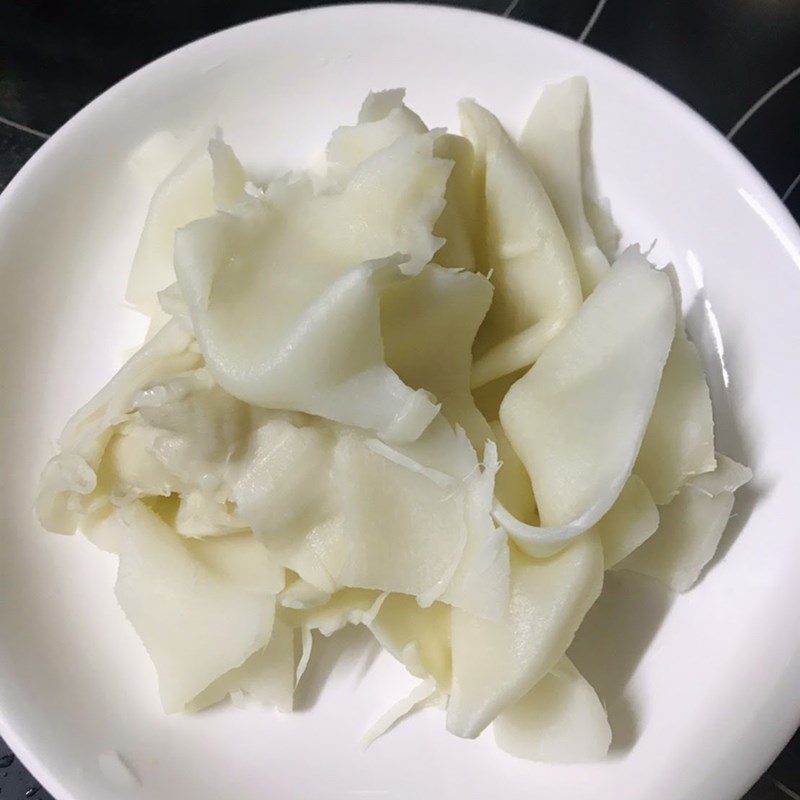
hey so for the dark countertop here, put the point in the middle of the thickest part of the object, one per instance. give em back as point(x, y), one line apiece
point(737, 62)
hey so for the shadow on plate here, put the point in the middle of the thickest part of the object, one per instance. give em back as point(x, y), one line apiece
point(610, 643)
point(732, 437)
point(351, 651)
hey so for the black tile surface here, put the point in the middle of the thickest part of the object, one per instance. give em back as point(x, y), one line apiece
point(16, 147)
point(737, 62)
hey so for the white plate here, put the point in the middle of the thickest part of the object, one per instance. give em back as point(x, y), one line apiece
point(701, 692)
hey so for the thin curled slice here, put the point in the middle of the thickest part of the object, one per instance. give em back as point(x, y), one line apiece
point(196, 622)
point(242, 558)
point(628, 523)
point(679, 441)
point(69, 482)
point(129, 470)
point(512, 486)
point(577, 418)
point(435, 483)
point(282, 488)
point(458, 224)
point(301, 595)
point(282, 479)
point(172, 445)
point(497, 663)
point(199, 428)
point(428, 324)
point(268, 675)
point(172, 449)
point(306, 648)
point(560, 720)
point(314, 496)
point(434, 541)
point(417, 637)
point(443, 453)
point(536, 286)
point(422, 695)
point(728, 476)
point(384, 118)
point(297, 252)
point(691, 527)
point(201, 514)
point(553, 143)
point(327, 361)
point(480, 584)
point(345, 607)
point(208, 177)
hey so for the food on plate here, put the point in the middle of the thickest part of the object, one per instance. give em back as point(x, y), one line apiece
point(414, 388)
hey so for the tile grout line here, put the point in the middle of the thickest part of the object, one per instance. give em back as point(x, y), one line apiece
point(20, 127)
point(590, 24)
point(785, 789)
point(785, 81)
point(792, 186)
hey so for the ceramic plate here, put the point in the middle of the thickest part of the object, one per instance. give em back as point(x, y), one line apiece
point(702, 690)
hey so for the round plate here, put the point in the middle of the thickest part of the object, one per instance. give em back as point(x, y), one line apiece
point(702, 690)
